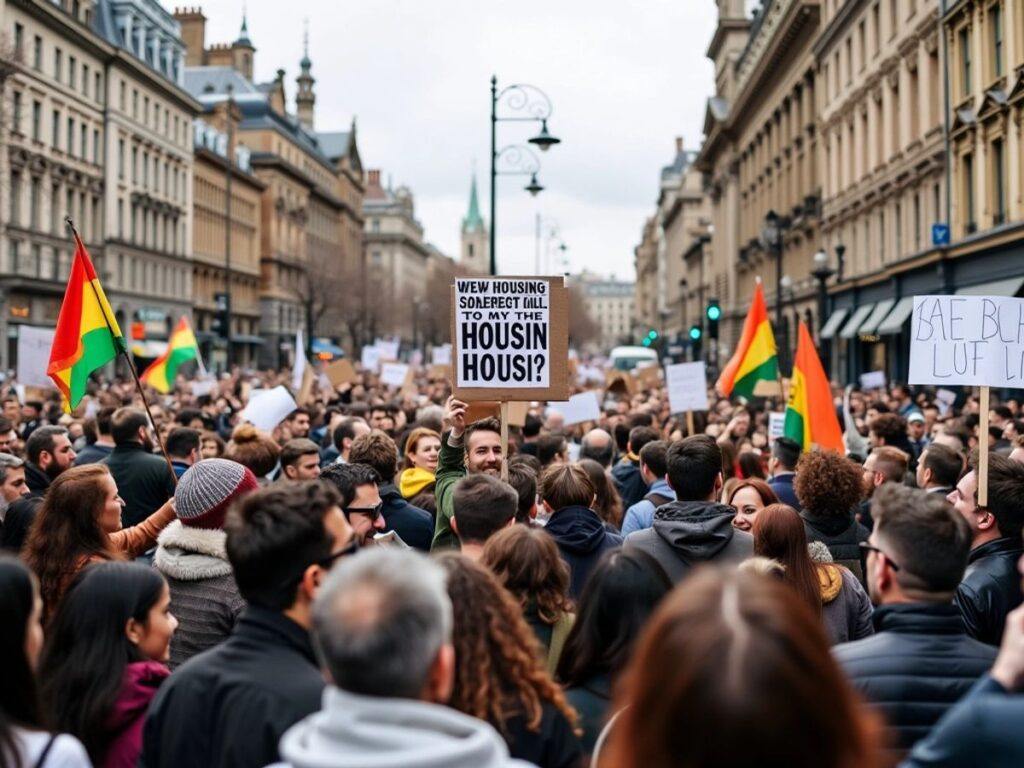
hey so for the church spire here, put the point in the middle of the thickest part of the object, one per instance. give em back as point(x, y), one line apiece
point(243, 33)
point(473, 221)
point(305, 98)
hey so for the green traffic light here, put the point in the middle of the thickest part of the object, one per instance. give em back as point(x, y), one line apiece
point(695, 332)
point(652, 334)
point(646, 342)
point(714, 312)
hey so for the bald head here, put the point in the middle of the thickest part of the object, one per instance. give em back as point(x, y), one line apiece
point(599, 446)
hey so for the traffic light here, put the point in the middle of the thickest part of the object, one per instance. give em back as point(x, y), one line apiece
point(696, 341)
point(695, 332)
point(713, 313)
point(221, 325)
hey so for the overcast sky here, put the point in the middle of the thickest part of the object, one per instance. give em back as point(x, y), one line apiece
point(625, 79)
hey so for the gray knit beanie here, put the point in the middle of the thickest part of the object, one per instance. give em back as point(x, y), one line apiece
point(208, 488)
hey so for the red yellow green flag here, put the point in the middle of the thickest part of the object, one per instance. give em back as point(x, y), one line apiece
point(810, 413)
point(181, 348)
point(87, 335)
point(756, 358)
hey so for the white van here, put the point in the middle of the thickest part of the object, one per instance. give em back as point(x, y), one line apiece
point(628, 358)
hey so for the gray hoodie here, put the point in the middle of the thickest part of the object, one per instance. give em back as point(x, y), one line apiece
point(352, 731)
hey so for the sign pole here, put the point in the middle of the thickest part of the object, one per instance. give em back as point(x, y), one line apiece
point(504, 440)
point(983, 449)
point(689, 424)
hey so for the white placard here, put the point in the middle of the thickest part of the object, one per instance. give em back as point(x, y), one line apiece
point(873, 380)
point(687, 387)
point(967, 340)
point(34, 356)
point(202, 387)
point(299, 370)
point(945, 399)
point(393, 374)
point(388, 349)
point(441, 355)
point(268, 407)
point(370, 359)
point(579, 408)
point(504, 332)
point(776, 425)
point(590, 374)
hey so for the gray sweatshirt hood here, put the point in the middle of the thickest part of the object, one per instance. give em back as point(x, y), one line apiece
point(353, 731)
point(698, 530)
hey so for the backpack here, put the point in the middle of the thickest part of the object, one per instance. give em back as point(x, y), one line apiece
point(657, 499)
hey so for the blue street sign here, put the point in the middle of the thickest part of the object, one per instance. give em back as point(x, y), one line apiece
point(940, 234)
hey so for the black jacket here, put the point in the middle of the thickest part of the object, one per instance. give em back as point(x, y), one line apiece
point(685, 534)
point(783, 487)
point(592, 700)
point(990, 589)
point(92, 454)
point(582, 539)
point(17, 522)
point(629, 482)
point(983, 727)
point(228, 707)
point(414, 525)
point(143, 480)
point(842, 535)
point(916, 666)
point(552, 745)
point(36, 480)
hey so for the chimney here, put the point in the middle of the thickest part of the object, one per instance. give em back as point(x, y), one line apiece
point(193, 34)
point(679, 144)
point(277, 95)
point(374, 178)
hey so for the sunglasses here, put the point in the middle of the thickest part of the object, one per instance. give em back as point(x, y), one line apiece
point(371, 512)
point(865, 548)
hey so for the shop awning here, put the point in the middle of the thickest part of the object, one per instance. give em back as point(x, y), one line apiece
point(877, 316)
point(860, 314)
point(1008, 287)
point(832, 325)
point(893, 324)
point(326, 346)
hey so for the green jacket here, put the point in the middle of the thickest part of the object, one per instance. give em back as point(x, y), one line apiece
point(451, 467)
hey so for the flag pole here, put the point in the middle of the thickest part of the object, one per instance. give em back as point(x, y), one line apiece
point(122, 349)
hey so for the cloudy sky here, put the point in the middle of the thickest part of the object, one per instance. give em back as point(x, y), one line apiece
point(625, 79)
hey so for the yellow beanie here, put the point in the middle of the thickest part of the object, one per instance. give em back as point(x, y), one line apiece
point(413, 481)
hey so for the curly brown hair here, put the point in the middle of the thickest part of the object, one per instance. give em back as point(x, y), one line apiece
point(527, 563)
point(498, 671)
point(827, 484)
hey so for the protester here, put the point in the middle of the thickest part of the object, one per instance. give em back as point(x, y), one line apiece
point(884, 464)
point(104, 658)
point(191, 555)
point(300, 460)
point(828, 487)
point(523, 479)
point(212, 446)
point(102, 446)
point(48, 453)
point(920, 661)
point(412, 524)
point(393, 606)
point(498, 677)
point(422, 448)
point(748, 498)
point(695, 528)
point(782, 470)
point(253, 449)
point(830, 591)
point(623, 591)
point(24, 738)
point(526, 562)
point(466, 449)
point(358, 486)
point(938, 469)
point(552, 449)
point(13, 488)
point(483, 505)
point(183, 448)
point(607, 504)
point(991, 587)
point(345, 434)
point(229, 705)
point(79, 523)
point(598, 445)
point(568, 495)
point(144, 479)
point(9, 440)
point(653, 466)
point(297, 423)
point(722, 676)
point(626, 474)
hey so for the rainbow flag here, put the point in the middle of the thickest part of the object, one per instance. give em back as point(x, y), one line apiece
point(181, 348)
point(810, 414)
point(87, 335)
point(755, 358)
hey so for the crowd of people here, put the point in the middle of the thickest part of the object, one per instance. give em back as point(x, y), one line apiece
point(381, 581)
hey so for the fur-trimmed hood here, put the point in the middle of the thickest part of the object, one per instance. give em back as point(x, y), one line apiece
point(191, 554)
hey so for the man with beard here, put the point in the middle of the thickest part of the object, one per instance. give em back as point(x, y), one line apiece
point(466, 449)
point(360, 499)
point(143, 479)
point(49, 453)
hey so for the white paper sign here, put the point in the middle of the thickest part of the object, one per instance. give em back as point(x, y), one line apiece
point(34, 356)
point(388, 349)
point(268, 407)
point(504, 332)
point(776, 425)
point(441, 355)
point(967, 340)
point(579, 408)
point(873, 380)
point(589, 374)
point(393, 374)
point(687, 387)
point(945, 399)
point(370, 359)
point(300, 361)
point(202, 387)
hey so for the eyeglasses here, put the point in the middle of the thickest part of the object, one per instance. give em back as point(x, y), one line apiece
point(349, 549)
point(371, 512)
point(865, 548)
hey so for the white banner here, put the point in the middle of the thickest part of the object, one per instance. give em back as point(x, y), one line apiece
point(34, 356)
point(687, 387)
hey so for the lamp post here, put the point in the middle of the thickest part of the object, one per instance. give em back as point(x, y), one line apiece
point(771, 240)
point(785, 289)
point(822, 272)
point(840, 261)
point(524, 103)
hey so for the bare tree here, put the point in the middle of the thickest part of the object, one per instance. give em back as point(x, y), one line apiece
point(582, 327)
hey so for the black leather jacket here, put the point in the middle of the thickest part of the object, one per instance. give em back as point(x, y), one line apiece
point(990, 589)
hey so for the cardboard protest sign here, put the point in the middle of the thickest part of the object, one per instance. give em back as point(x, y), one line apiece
point(619, 382)
point(648, 376)
point(687, 387)
point(586, 406)
point(439, 373)
point(481, 409)
point(370, 358)
point(967, 340)
point(510, 338)
point(34, 356)
point(341, 372)
point(268, 407)
point(395, 374)
point(873, 380)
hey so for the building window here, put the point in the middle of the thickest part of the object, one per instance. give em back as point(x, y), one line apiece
point(16, 112)
point(120, 159)
point(893, 18)
point(55, 130)
point(34, 202)
point(37, 53)
point(58, 64)
point(862, 45)
point(876, 29)
point(968, 179)
point(917, 221)
point(83, 147)
point(995, 15)
point(72, 72)
point(120, 219)
point(96, 146)
point(71, 136)
point(965, 61)
point(135, 104)
point(19, 39)
point(98, 87)
point(899, 230)
point(37, 120)
point(999, 180)
point(85, 80)
point(881, 236)
point(55, 209)
point(123, 96)
point(15, 213)
point(135, 165)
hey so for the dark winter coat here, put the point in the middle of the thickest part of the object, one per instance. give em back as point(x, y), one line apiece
point(629, 482)
point(842, 535)
point(36, 480)
point(229, 706)
point(582, 539)
point(143, 480)
point(990, 589)
point(685, 534)
point(916, 666)
point(552, 745)
point(414, 526)
point(591, 700)
point(783, 487)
